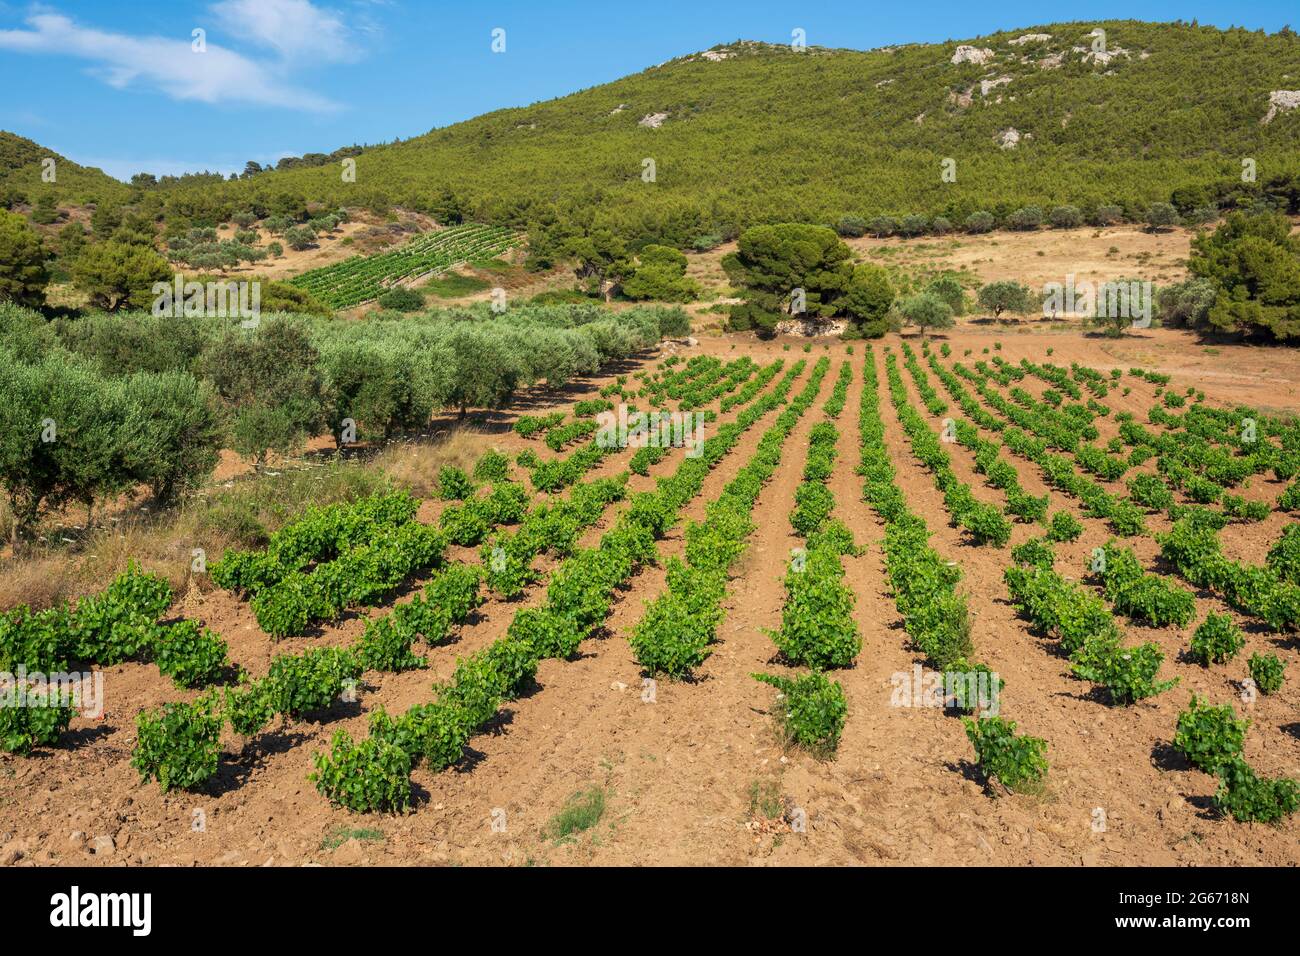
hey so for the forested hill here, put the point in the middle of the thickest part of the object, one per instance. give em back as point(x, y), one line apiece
point(748, 132)
point(21, 168)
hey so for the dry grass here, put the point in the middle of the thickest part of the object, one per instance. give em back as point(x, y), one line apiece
point(239, 513)
point(415, 466)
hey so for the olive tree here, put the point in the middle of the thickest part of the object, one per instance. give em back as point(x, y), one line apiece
point(927, 312)
point(1006, 296)
point(271, 382)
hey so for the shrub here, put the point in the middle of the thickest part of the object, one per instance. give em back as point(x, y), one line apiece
point(1107, 215)
point(1128, 674)
point(1065, 217)
point(1064, 527)
point(248, 708)
point(401, 299)
point(23, 275)
point(1217, 640)
point(371, 776)
point(1026, 217)
point(851, 227)
point(189, 654)
point(493, 466)
point(817, 626)
point(1016, 761)
point(1209, 736)
point(116, 274)
point(1036, 552)
point(454, 484)
point(1161, 215)
point(179, 745)
point(1267, 671)
point(312, 680)
point(981, 221)
point(1250, 799)
point(812, 711)
point(32, 724)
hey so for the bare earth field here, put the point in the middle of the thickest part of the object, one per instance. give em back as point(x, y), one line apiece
point(680, 772)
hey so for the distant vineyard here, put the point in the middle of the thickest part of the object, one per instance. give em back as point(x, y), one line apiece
point(362, 278)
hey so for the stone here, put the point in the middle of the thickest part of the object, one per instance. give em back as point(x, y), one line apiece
point(103, 845)
point(972, 54)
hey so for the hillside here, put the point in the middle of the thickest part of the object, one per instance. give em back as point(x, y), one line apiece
point(749, 132)
point(20, 172)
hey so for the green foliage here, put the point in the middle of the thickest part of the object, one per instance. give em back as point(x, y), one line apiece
point(1209, 736)
point(774, 261)
point(926, 311)
point(1036, 552)
point(1217, 640)
point(817, 626)
point(534, 176)
point(581, 812)
point(70, 435)
point(1006, 296)
point(812, 711)
point(249, 707)
point(1284, 556)
point(178, 745)
point(23, 275)
point(272, 382)
point(372, 776)
point(1250, 799)
point(298, 684)
point(401, 299)
point(1148, 598)
point(1128, 674)
point(660, 273)
point(1064, 527)
point(189, 654)
point(867, 301)
point(454, 484)
point(1017, 761)
point(1255, 265)
point(117, 274)
point(1267, 671)
point(492, 466)
point(361, 278)
point(34, 723)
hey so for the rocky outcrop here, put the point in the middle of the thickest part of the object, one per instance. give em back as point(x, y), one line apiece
point(652, 120)
point(986, 85)
point(1280, 101)
point(811, 327)
point(1009, 138)
point(972, 54)
point(1030, 38)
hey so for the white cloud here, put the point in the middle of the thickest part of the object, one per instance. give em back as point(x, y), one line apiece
point(295, 29)
point(218, 75)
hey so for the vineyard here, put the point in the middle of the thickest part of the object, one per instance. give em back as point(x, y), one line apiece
point(957, 602)
point(362, 278)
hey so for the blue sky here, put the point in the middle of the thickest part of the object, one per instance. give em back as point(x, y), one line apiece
point(117, 83)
